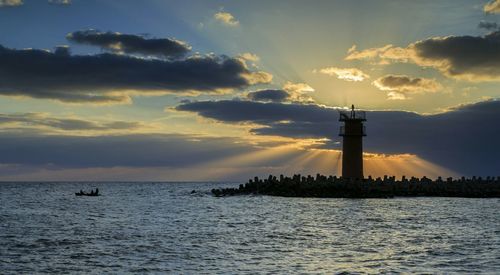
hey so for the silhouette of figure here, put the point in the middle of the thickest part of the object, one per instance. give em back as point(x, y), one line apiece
point(97, 191)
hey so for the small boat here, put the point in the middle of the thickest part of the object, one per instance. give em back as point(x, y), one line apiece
point(91, 194)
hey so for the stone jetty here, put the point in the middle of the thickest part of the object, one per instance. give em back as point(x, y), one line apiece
point(386, 187)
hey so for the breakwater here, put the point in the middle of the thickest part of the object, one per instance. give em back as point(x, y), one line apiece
point(386, 187)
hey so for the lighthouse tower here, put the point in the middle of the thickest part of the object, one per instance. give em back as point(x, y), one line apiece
point(352, 132)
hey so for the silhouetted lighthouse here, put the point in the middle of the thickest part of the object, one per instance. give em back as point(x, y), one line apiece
point(352, 132)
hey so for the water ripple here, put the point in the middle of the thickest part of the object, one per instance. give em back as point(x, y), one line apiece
point(163, 228)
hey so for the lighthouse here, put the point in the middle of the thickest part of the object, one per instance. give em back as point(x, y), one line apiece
point(352, 132)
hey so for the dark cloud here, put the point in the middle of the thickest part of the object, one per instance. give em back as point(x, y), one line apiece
point(488, 25)
point(131, 44)
point(465, 139)
point(62, 50)
point(68, 124)
point(397, 86)
point(263, 113)
point(300, 129)
point(35, 156)
point(473, 58)
point(269, 95)
point(112, 151)
point(470, 57)
point(287, 120)
point(405, 83)
point(109, 78)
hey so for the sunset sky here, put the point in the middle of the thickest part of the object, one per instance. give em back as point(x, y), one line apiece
point(225, 90)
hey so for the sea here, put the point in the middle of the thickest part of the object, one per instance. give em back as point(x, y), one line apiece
point(166, 228)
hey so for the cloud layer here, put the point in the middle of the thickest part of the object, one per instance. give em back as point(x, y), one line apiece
point(226, 18)
point(488, 25)
point(269, 95)
point(33, 120)
point(131, 44)
point(473, 58)
point(348, 74)
point(10, 3)
point(463, 139)
point(110, 78)
point(456, 139)
point(492, 7)
point(109, 151)
point(398, 86)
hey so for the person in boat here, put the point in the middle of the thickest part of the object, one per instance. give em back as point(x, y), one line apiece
point(96, 191)
point(91, 192)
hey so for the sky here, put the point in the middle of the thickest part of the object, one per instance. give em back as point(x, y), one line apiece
point(227, 90)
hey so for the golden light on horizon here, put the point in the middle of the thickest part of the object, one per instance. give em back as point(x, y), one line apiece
point(293, 158)
point(378, 165)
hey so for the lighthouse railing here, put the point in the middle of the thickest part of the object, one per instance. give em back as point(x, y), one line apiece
point(347, 115)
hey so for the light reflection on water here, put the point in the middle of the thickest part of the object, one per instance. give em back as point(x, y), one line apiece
point(161, 227)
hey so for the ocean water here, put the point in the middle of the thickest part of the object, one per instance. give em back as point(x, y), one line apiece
point(163, 228)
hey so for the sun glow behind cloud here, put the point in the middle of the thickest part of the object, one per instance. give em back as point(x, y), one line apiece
point(328, 162)
point(292, 159)
point(378, 165)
